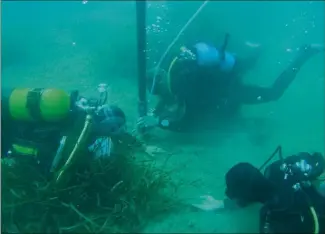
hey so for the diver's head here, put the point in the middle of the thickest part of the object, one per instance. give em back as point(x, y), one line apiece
point(156, 85)
point(109, 120)
point(246, 184)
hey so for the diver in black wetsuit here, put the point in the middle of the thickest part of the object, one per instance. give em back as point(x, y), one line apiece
point(35, 123)
point(204, 82)
point(292, 201)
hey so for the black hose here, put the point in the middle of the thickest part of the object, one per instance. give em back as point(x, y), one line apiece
point(278, 151)
point(141, 39)
point(224, 46)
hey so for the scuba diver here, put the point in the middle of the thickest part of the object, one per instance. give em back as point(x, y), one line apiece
point(51, 125)
point(291, 191)
point(204, 83)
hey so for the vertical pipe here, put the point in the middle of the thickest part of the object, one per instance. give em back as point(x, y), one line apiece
point(141, 42)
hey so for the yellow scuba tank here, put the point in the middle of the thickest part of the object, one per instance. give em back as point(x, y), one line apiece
point(49, 105)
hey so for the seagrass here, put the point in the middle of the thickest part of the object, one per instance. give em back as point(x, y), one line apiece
point(114, 195)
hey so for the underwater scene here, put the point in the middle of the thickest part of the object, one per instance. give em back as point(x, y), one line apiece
point(162, 117)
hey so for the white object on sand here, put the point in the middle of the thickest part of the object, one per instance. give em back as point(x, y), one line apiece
point(208, 203)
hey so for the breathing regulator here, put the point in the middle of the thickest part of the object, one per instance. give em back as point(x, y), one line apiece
point(299, 169)
point(92, 105)
point(304, 170)
point(92, 108)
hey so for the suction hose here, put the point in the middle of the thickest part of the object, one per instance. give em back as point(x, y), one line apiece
point(315, 218)
point(141, 37)
point(312, 212)
point(71, 159)
point(174, 41)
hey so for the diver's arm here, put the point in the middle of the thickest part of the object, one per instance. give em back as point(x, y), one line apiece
point(152, 120)
point(248, 94)
point(159, 107)
point(170, 124)
point(158, 118)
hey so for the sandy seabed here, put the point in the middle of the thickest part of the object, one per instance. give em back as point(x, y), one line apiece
point(202, 159)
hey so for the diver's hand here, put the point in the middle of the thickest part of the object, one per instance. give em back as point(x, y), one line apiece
point(152, 112)
point(82, 103)
point(153, 150)
point(147, 122)
point(208, 203)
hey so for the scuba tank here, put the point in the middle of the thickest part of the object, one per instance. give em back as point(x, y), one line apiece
point(33, 121)
point(31, 105)
point(208, 55)
point(298, 171)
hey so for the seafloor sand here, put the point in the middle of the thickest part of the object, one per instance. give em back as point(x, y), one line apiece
point(201, 160)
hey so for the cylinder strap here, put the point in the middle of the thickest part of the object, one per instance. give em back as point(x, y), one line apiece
point(74, 95)
point(33, 103)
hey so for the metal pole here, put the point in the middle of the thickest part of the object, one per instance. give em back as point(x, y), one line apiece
point(141, 39)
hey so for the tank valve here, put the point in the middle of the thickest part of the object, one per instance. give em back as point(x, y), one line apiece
point(103, 93)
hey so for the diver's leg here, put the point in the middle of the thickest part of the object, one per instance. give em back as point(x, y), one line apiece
point(289, 74)
point(252, 94)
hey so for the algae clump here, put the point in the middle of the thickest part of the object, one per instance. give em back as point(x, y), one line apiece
point(118, 194)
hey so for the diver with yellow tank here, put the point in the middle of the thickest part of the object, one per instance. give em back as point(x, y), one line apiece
point(204, 84)
point(292, 191)
point(37, 124)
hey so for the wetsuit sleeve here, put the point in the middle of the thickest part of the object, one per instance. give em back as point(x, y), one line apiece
point(159, 108)
point(248, 94)
point(175, 125)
